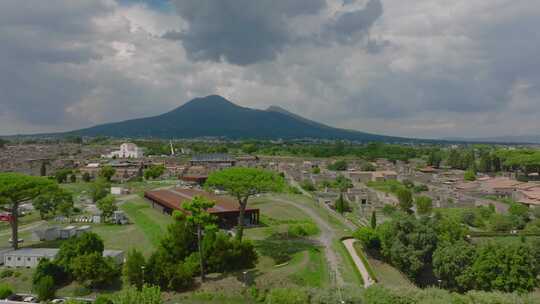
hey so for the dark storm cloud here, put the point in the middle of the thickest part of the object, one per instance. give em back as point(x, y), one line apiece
point(240, 31)
point(36, 38)
point(245, 31)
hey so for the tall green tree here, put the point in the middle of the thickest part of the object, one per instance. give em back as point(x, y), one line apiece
point(53, 203)
point(451, 262)
point(154, 172)
point(61, 175)
point(405, 199)
point(243, 183)
point(18, 188)
point(424, 205)
point(201, 219)
point(107, 172)
point(373, 220)
point(99, 189)
point(107, 206)
point(134, 267)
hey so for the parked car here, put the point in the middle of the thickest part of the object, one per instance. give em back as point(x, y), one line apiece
point(31, 299)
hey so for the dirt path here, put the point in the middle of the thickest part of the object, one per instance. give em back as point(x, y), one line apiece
point(326, 238)
point(349, 244)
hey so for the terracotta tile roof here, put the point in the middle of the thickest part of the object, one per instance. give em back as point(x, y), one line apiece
point(174, 198)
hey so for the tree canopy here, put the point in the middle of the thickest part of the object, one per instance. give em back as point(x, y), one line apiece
point(243, 183)
point(17, 188)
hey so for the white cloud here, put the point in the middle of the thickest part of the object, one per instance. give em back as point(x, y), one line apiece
point(429, 68)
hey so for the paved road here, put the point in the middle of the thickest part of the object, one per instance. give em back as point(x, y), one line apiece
point(326, 238)
point(349, 244)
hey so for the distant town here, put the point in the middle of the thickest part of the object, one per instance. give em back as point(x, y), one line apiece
point(84, 217)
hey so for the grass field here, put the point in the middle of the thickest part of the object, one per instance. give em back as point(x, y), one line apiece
point(150, 221)
point(388, 186)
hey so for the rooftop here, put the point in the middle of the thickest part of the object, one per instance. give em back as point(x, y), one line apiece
point(174, 198)
point(216, 157)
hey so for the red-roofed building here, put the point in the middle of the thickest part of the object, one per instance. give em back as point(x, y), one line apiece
point(225, 209)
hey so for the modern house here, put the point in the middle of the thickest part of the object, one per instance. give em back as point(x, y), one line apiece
point(225, 209)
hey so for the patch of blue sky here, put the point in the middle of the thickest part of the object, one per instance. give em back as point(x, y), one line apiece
point(162, 5)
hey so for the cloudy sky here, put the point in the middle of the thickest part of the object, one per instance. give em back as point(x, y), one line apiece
point(419, 68)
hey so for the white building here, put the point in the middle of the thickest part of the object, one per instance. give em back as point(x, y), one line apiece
point(28, 257)
point(127, 150)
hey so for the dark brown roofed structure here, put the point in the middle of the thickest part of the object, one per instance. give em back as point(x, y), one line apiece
point(225, 209)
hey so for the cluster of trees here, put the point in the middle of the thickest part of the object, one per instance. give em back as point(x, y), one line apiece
point(154, 172)
point(508, 267)
point(339, 165)
point(519, 217)
point(79, 259)
point(185, 252)
point(64, 175)
point(378, 294)
point(54, 202)
point(490, 160)
point(417, 245)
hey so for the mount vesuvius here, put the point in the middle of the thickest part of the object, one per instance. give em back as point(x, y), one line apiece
point(215, 116)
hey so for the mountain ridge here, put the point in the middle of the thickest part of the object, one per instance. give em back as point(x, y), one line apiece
point(215, 116)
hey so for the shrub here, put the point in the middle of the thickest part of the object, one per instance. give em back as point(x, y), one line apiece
point(368, 237)
point(420, 188)
point(297, 230)
point(499, 222)
point(44, 288)
point(102, 299)
point(389, 210)
point(470, 175)
point(308, 185)
point(424, 205)
point(6, 273)
point(148, 295)
point(48, 268)
point(5, 291)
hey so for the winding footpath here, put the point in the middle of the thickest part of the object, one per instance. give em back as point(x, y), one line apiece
point(327, 236)
point(349, 245)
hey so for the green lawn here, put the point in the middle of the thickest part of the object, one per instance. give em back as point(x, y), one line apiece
point(388, 186)
point(150, 221)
